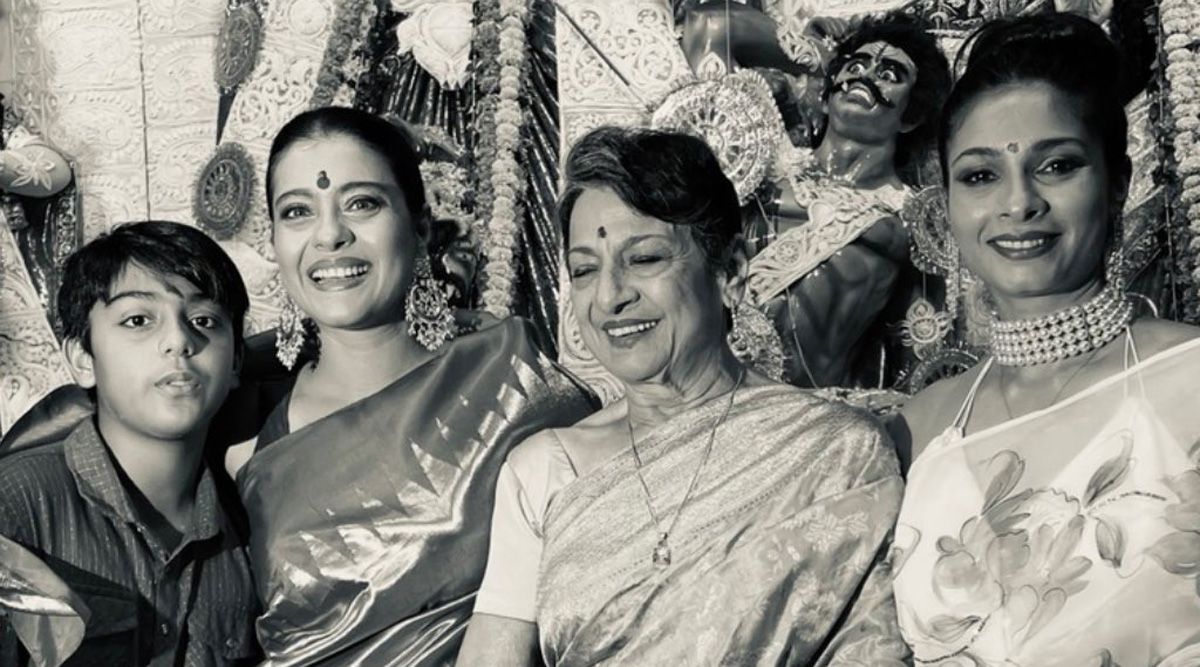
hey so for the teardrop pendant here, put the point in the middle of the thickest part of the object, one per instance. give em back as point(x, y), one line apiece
point(662, 552)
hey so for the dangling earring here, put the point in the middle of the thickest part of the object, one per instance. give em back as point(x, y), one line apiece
point(289, 333)
point(427, 309)
point(1114, 259)
point(755, 341)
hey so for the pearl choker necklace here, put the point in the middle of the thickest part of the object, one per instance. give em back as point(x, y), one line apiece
point(1062, 334)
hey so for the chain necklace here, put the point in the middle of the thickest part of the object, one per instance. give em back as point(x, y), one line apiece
point(1057, 395)
point(662, 550)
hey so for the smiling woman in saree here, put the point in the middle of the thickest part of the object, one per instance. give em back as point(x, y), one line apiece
point(1051, 512)
point(711, 516)
point(370, 486)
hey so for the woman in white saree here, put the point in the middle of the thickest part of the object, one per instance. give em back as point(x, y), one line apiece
point(1052, 514)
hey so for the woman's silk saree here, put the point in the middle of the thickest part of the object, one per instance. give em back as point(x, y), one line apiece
point(369, 528)
point(776, 557)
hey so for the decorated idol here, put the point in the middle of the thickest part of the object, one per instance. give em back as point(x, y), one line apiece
point(836, 253)
point(832, 270)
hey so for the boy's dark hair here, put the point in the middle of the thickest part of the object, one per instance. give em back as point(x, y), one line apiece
point(669, 176)
point(163, 248)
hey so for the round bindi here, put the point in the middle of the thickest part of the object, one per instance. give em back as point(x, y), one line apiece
point(1013, 147)
point(322, 180)
point(602, 233)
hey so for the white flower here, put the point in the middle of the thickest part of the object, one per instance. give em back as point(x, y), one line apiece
point(439, 35)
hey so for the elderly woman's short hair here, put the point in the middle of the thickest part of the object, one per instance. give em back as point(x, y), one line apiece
point(670, 176)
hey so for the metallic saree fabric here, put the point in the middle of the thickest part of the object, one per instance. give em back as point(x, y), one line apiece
point(47, 616)
point(370, 527)
point(776, 557)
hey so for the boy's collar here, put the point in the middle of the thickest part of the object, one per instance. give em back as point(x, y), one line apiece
point(95, 473)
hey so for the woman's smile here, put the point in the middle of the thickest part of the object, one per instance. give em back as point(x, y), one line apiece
point(331, 275)
point(627, 333)
point(1018, 247)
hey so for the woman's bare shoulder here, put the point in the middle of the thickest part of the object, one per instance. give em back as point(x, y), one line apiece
point(931, 410)
point(1153, 335)
point(237, 456)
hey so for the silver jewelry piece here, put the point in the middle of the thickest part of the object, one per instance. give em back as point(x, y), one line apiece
point(661, 557)
point(427, 309)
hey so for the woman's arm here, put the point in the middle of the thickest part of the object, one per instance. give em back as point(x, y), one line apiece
point(503, 631)
point(498, 641)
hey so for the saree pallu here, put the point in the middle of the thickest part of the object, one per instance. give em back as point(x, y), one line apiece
point(38, 607)
point(369, 528)
point(1067, 537)
point(776, 557)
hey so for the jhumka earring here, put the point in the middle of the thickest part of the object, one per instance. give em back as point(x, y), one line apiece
point(427, 309)
point(289, 333)
point(755, 341)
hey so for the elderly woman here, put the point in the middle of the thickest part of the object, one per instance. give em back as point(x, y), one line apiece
point(1051, 511)
point(370, 487)
point(711, 516)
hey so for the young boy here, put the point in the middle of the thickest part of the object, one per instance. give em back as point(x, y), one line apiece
point(124, 511)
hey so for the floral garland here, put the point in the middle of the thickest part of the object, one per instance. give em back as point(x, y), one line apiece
point(1180, 20)
point(348, 25)
point(500, 57)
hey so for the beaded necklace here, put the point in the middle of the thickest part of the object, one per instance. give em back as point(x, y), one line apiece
point(1062, 334)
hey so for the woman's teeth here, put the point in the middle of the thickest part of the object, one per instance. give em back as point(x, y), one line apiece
point(1022, 244)
point(632, 329)
point(339, 272)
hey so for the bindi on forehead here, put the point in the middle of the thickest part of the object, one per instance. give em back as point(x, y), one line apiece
point(323, 180)
point(1013, 147)
point(602, 233)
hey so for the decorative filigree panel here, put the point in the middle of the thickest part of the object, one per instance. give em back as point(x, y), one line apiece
point(638, 37)
point(110, 197)
point(31, 364)
point(174, 153)
point(78, 80)
point(176, 18)
point(179, 82)
point(96, 47)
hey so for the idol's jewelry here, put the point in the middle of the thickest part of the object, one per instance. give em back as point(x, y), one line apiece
point(427, 309)
point(662, 550)
point(1063, 334)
